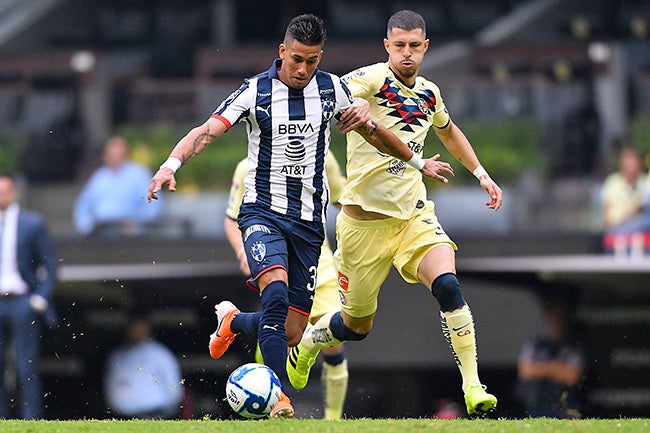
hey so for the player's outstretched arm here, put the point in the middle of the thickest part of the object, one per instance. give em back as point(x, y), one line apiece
point(433, 169)
point(459, 146)
point(491, 187)
point(193, 143)
point(233, 235)
point(356, 115)
point(386, 142)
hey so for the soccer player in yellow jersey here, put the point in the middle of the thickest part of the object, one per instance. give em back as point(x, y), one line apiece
point(287, 111)
point(386, 219)
point(326, 299)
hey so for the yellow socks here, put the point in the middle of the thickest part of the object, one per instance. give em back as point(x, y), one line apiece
point(458, 329)
point(334, 379)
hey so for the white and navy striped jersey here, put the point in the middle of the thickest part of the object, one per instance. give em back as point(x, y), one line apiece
point(288, 139)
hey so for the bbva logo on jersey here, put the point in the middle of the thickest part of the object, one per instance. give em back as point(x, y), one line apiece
point(295, 128)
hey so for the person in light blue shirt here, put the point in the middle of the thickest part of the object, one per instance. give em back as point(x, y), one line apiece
point(113, 201)
point(142, 377)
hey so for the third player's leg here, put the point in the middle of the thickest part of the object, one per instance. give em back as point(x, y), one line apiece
point(295, 325)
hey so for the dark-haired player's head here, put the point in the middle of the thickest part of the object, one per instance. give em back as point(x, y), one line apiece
point(307, 29)
point(406, 43)
point(301, 50)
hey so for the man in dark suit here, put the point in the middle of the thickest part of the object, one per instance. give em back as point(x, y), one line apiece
point(28, 267)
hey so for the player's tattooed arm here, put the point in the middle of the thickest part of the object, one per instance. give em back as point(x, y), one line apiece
point(193, 143)
point(197, 139)
point(355, 116)
point(384, 140)
point(200, 142)
point(369, 129)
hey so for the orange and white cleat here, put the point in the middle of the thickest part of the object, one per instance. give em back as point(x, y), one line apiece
point(283, 409)
point(221, 339)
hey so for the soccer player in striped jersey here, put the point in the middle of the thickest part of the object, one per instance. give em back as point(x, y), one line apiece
point(334, 376)
point(287, 112)
point(386, 218)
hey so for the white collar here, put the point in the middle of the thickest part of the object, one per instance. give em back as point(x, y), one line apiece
point(10, 212)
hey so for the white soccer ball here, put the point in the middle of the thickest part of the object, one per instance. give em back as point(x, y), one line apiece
point(253, 390)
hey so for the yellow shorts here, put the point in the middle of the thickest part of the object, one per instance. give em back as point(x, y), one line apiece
point(366, 251)
point(326, 297)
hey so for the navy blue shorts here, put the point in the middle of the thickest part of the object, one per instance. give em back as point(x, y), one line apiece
point(272, 240)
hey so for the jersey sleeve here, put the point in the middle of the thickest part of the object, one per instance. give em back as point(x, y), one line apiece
point(440, 115)
point(343, 97)
point(359, 82)
point(237, 190)
point(236, 106)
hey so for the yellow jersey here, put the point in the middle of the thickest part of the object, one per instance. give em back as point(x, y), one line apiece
point(379, 182)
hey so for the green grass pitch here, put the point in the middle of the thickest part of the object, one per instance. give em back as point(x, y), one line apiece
point(321, 426)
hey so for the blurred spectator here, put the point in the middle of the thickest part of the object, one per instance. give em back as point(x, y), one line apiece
point(143, 377)
point(446, 408)
point(552, 366)
point(113, 202)
point(579, 152)
point(624, 195)
point(25, 296)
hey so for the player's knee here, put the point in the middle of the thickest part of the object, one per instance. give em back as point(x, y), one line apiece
point(275, 294)
point(348, 332)
point(275, 304)
point(333, 355)
point(361, 330)
point(446, 290)
point(294, 335)
point(293, 339)
point(354, 335)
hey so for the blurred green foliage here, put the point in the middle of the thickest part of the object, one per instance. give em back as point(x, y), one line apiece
point(506, 148)
point(212, 170)
point(12, 143)
point(640, 136)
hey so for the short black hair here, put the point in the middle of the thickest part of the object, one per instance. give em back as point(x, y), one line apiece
point(8, 175)
point(307, 29)
point(406, 20)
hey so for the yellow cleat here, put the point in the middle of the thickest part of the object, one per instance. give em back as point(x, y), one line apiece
point(479, 403)
point(299, 362)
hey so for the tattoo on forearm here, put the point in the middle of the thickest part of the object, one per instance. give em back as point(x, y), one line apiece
point(200, 143)
point(371, 131)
